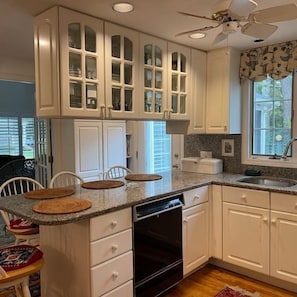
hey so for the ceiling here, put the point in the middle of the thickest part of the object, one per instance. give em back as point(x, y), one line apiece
point(156, 17)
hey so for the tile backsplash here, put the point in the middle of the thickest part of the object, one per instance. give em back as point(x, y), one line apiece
point(232, 164)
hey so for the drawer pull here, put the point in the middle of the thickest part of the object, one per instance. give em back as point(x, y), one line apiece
point(114, 247)
point(115, 275)
point(196, 197)
point(243, 197)
point(114, 224)
point(273, 221)
point(265, 219)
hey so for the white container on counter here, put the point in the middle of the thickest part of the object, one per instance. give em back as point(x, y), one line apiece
point(202, 165)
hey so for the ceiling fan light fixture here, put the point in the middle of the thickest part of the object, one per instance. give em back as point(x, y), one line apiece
point(123, 7)
point(197, 35)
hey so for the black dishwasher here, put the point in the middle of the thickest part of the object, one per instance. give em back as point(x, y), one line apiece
point(158, 263)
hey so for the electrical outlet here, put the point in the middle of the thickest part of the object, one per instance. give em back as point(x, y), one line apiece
point(205, 154)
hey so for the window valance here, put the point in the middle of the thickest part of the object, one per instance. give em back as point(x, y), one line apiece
point(276, 61)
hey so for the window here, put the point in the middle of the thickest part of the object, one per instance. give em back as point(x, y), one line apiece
point(268, 123)
point(158, 147)
point(17, 136)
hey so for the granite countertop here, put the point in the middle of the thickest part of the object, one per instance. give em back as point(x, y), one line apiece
point(132, 193)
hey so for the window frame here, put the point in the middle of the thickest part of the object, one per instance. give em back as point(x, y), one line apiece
point(247, 117)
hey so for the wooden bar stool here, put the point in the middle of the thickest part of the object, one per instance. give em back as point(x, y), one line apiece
point(17, 263)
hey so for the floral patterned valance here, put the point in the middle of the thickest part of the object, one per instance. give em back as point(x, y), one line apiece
point(276, 61)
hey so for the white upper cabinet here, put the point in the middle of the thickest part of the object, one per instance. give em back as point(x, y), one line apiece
point(121, 61)
point(153, 77)
point(178, 82)
point(198, 92)
point(69, 64)
point(223, 103)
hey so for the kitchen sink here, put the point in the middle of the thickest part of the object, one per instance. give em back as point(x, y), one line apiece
point(269, 181)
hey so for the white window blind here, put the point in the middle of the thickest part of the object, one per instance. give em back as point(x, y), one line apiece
point(9, 136)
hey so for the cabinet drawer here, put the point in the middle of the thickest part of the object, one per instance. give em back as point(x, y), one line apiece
point(246, 196)
point(195, 196)
point(111, 246)
point(111, 274)
point(284, 202)
point(123, 290)
point(110, 223)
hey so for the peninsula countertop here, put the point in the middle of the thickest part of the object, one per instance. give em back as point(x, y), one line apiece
point(132, 193)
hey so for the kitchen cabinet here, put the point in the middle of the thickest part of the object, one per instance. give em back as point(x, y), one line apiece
point(153, 77)
point(246, 232)
point(195, 229)
point(198, 89)
point(178, 82)
point(88, 147)
point(69, 64)
point(121, 62)
point(96, 261)
point(283, 237)
point(223, 99)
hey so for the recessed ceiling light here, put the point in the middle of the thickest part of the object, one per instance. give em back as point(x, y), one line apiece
point(122, 7)
point(197, 35)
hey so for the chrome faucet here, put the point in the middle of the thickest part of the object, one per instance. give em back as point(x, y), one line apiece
point(289, 144)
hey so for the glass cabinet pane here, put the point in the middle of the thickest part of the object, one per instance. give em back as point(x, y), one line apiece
point(148, 54)
point(128, 100)
point(158, 79)
point(116, 98)
point(116, 46)
point(148, 97)
point(75, 94)
point(158, 102)
point(148, 78)
point(174, 99)
point(182, 83)
point(116, 72)
point(182, 104)
point(128, 49)
point(91, 96)
point(74, 64)
point(174, 61)
point(128, 74)
point(158, 56)
point(183, 63)
point(91, 71)
point(74, 38)
point(174, 82)
point(90, 39)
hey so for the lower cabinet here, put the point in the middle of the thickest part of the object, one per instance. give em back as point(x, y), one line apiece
point(195, 229)
point(246, 228)
point(283, 263)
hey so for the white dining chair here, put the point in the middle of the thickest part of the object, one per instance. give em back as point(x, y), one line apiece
point(23, 230)
point(117, 171)
point(64, 179)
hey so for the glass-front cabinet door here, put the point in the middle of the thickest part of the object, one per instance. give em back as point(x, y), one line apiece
point(153, 77)
point(178, 83)
point(82, 65)
point(121, 57)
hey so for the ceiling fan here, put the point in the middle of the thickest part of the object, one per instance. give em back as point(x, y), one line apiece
point(231, 14)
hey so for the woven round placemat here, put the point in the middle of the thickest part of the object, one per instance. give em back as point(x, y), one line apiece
point(62, 206)
point(103, 184)
point(49, 193)
point(142, 177)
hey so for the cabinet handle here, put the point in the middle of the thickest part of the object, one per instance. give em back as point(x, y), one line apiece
point(196, 197)
point(114, 247)
point(265, 219)
point(185, 220)
point(115, 275)
point(114, 224)
point(273, 221)
point(243, 197)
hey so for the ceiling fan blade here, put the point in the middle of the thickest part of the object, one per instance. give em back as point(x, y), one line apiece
point(220, 37)
point(197, 30)
point(195, 15)
point(261, 31)
point(242, 7)
point(275, 14)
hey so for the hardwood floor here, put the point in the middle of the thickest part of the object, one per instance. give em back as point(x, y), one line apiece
point(208, 281)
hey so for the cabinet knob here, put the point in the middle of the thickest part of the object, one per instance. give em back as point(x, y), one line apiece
point(273, 221)
point(196, 197)
point(243, 196)
point(265, 219)
point(114, 247)
point(185, 220)
point(114, 224)
point(110, 107)
point(115, 275)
